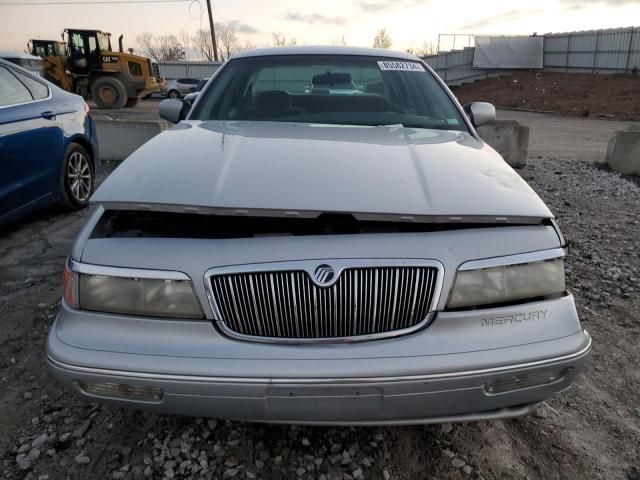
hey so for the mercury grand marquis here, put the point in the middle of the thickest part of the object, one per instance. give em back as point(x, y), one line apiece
point(297, 251)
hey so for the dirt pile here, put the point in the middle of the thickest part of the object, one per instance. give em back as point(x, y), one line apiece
point(575, 94)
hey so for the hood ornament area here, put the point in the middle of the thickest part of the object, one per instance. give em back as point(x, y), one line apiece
point(324, 274)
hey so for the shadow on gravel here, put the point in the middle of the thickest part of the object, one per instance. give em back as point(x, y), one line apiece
point(47, 216)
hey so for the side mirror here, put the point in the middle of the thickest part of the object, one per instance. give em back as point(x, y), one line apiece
point(174, 110)
point(480, 113)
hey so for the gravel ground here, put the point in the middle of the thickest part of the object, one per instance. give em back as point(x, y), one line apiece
point(591, 431)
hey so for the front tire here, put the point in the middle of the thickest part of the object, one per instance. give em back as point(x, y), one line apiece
point(109, 93)
point(174, 94)
point(77, 177)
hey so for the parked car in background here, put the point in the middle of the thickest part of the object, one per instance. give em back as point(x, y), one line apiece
point(48, 145)
point(191, 97)
point(348, 256)
point(179, 87)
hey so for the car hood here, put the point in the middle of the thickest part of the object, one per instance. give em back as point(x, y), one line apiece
point(291, 169)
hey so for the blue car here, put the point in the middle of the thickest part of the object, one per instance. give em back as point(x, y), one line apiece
point(48, 145)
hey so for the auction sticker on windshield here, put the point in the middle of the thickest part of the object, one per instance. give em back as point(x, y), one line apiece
point(401, 66)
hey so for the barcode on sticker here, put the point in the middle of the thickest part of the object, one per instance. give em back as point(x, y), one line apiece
point(401, 66)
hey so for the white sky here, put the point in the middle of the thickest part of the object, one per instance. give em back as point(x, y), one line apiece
point(409, 22)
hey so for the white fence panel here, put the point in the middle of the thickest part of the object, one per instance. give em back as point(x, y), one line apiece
point(171, 69)
point(596, 51)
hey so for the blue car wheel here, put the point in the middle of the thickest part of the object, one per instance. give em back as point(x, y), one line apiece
point(77, 177)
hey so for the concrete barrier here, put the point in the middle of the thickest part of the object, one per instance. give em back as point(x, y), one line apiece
point(117, 139)
point(623, 151)
point(509, 139)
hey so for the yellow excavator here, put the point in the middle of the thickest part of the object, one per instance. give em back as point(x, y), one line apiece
point(87, 65)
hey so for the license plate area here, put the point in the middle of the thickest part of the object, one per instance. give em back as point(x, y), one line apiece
point(324, 403)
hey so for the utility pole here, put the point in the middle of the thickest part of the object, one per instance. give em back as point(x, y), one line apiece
point(213, 32)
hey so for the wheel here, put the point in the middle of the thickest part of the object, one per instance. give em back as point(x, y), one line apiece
point(132, 102)
point(109, 93)
point(77, 177)
point(174, 94)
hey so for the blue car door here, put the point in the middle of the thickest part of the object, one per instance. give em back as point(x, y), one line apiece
point(31, 141)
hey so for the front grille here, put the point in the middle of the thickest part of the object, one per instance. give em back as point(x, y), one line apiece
point(289, 305)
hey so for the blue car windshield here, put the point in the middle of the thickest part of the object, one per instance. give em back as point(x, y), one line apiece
point(329, 89)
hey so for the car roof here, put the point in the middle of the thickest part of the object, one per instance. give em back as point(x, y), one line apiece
point(9, 54)
point(324, 50)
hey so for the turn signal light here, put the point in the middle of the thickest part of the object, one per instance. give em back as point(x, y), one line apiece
point(525, 380)
point(70, 286)
point(121, 391)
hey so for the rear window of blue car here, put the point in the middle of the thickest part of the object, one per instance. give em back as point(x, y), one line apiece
point(12, 91)
point(17, 88)
point(38, 89)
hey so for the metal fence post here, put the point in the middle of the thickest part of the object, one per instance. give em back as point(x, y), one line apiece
point(626, 67)
point(595, 52)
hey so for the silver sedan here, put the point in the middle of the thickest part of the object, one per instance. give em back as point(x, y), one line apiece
point(302, 256)
point(179, 87)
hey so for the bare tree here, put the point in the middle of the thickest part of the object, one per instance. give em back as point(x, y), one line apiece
point(227, 39)
point(339, 41)
point(279, 40)
point(171, 48)
point(382, 39)
point(248, 45)
point(165, 47)
point(187, 42)
point(427, 48)
point(202, 44)
point(146, 42)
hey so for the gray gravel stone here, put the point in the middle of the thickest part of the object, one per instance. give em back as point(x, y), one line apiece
point(24, 448)
point(541, 412)
point(24, 462)
point(82, 459)
point(457, 463)
point(40, 440)
point(82, 429)
point(230, 473)
point(448, 453)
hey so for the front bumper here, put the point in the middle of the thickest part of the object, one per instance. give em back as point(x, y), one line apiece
point(454, 397)
point(342, 385)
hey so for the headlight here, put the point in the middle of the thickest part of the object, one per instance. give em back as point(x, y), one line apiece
point(509, 283)
point(131, 295)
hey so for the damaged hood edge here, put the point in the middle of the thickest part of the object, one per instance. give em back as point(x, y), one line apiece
point(362, 216)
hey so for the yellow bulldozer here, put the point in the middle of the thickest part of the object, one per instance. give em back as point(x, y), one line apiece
point(87, 65)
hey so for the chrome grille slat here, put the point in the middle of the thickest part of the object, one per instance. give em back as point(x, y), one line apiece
point(287, 304)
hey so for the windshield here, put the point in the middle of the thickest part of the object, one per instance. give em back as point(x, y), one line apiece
point(329, 89)
point(104, 42)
